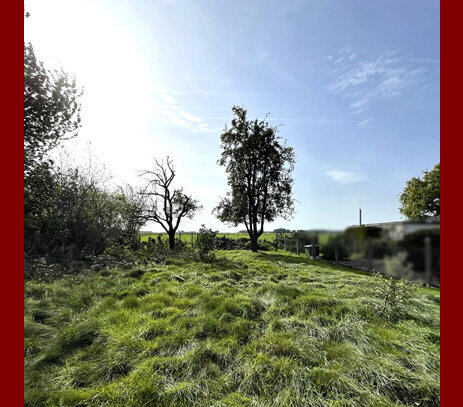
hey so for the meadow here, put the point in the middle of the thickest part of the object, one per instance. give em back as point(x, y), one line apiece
point(246, 329)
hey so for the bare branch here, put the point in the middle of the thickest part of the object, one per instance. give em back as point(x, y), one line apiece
point(167, 206)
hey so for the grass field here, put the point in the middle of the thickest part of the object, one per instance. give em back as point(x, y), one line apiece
point(249, 329)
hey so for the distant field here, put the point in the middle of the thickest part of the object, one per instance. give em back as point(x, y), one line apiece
point(187, 236)
point(270, 236)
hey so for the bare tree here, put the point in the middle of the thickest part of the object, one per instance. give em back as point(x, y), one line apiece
point(164, 204)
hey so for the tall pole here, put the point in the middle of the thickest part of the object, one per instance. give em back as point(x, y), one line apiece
point(360, 217)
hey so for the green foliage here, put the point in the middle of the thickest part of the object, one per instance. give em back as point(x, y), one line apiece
point(394, 293)
point(206, 242)
point(186, 236)
point(421, 196)
point(51, 108)
point(259, 171)
point(70, 215)
point(257, 329)
point(243, 243)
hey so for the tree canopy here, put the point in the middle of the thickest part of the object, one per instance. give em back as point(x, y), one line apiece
point(259, 168)
point(51, 108)
point(421, 196)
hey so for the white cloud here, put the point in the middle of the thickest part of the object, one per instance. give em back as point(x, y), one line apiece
point(359, 105)
point(363, 122)
point(175, 119)
point(385, 76)
point(205, 129)
point(178, 117)
point(190, 117)
point(346, 177)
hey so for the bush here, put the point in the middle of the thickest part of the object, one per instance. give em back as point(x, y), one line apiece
point(206, 243)
point(40, 268)
point(70, 215)
point(243, 243)
point(225, 243)
point(394, 294)
point(265, 245)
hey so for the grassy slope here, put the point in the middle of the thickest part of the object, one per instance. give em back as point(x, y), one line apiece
point(266, 329)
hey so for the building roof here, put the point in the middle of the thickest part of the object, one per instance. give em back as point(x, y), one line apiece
point(421, 221)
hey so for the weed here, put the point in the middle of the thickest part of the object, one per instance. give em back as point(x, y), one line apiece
point(394, 295)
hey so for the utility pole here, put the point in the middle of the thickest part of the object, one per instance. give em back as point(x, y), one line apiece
point(360, 217)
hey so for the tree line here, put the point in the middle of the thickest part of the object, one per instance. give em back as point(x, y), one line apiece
point(70, 213)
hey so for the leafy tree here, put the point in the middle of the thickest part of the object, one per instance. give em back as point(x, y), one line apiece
point(259, 171)
point(51, 108)
point(166, 205)
point(421, 196)
point(68, 213)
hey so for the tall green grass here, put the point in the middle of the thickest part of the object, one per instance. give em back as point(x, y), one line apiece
point(249, 329)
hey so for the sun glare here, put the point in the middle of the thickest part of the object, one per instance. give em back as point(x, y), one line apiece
point(94, 45)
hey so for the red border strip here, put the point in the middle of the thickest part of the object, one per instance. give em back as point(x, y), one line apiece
point(12, 236)
point(451, 150)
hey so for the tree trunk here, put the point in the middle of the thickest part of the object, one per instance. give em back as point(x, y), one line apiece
point(254, 245)
point(172, 240)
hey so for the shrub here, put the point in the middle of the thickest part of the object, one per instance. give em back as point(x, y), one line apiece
point(394, 294)
point(206, 243)
point(70, 215)
point(225, 243)
point(40, 268)
point(154, 250)
point(243, 243)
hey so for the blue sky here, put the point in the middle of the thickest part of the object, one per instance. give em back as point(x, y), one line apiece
point(353, 84)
